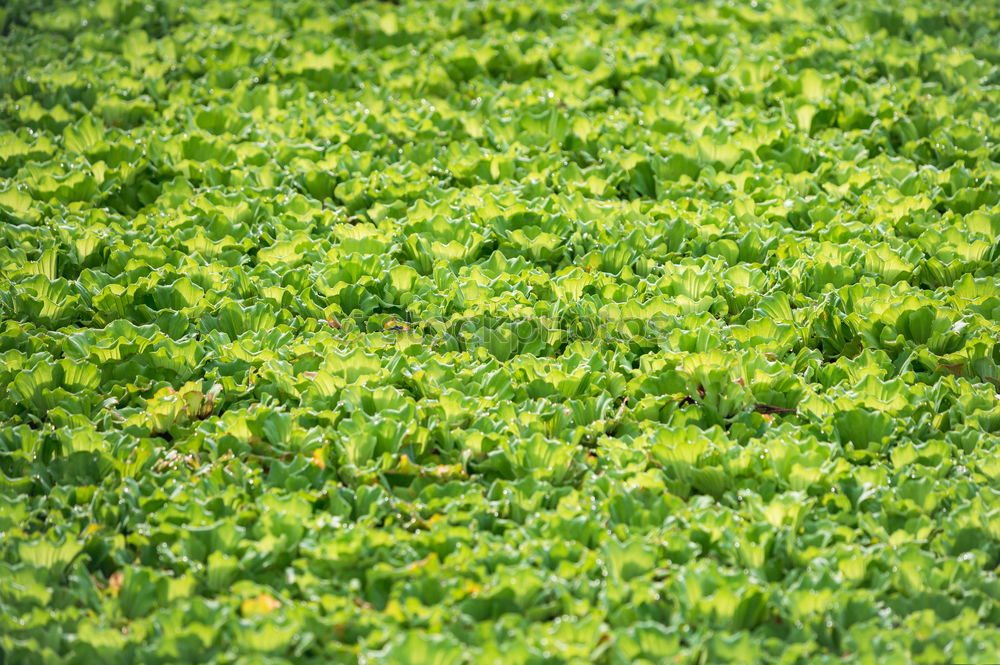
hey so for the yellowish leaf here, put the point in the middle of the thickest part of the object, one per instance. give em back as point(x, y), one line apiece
point(318, 457)
point(263, 604)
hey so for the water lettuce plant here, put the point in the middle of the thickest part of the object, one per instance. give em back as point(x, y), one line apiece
point(497, 332)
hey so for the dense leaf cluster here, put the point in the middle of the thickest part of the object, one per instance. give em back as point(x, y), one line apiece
point(499, 332)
